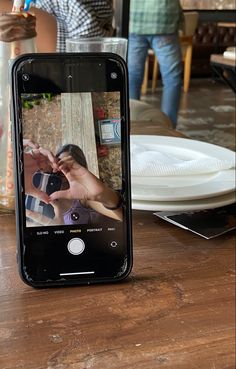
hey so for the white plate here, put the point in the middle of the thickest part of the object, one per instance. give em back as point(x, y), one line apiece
point(176, 188)
point(210, 203)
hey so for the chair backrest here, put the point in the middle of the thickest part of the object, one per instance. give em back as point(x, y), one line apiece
point(190, 23)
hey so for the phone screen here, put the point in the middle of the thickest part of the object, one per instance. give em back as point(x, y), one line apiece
point(71, 149)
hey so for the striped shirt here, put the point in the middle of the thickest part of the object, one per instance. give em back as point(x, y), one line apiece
point(76, 18)
point(153, 17)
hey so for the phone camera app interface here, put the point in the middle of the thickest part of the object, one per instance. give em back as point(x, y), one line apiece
point(73, 182)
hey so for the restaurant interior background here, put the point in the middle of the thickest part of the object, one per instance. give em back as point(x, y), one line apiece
point(207, 111)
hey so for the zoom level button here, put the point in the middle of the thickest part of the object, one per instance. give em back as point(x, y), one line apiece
point(76, 246)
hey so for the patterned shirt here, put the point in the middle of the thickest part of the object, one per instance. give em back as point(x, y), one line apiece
point(149, 17)
point(79, 18)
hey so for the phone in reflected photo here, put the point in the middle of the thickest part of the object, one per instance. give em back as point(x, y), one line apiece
point(71, 149)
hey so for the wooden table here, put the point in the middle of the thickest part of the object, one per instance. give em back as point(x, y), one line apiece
point(175, 311)
point(225, 69)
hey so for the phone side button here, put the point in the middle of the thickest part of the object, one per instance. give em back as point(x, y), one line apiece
point(76, 246)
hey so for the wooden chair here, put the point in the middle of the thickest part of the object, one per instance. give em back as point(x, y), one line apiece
point(186, 41)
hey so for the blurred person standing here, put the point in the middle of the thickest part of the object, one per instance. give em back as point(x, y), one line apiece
point(75, 18)
point(155, 24)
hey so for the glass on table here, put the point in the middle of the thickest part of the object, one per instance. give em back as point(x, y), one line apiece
point(116, 45)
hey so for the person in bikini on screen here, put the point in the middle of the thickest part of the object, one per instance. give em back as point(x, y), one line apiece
point(82, 199)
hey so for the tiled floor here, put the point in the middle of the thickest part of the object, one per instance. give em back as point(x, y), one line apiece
point(207, 112)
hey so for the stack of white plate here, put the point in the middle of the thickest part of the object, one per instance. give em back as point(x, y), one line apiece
point(184, 192)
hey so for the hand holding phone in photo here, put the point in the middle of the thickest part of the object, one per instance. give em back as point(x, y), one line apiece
point(35, 160)
point(37, 206)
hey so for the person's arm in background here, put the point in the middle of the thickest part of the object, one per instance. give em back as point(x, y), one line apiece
point(46, 27)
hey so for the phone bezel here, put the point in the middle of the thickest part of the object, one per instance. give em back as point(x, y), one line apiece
point(18, 153)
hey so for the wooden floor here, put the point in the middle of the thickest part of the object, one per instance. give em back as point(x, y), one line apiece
point(207, 112)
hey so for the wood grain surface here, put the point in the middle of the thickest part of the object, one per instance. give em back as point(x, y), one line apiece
point(77, 124)
point(175, 311)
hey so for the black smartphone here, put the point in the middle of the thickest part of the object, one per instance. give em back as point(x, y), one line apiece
point(46, 182)
point(34, 204)
point(71, 151)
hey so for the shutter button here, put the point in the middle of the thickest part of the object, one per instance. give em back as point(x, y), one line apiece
point(76, 246)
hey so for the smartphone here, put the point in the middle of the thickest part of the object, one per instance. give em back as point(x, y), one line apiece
point(34, 204)
point(46, 182)
point(82, 167)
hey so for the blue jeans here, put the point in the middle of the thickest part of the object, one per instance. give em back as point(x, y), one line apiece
point(168, 52)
